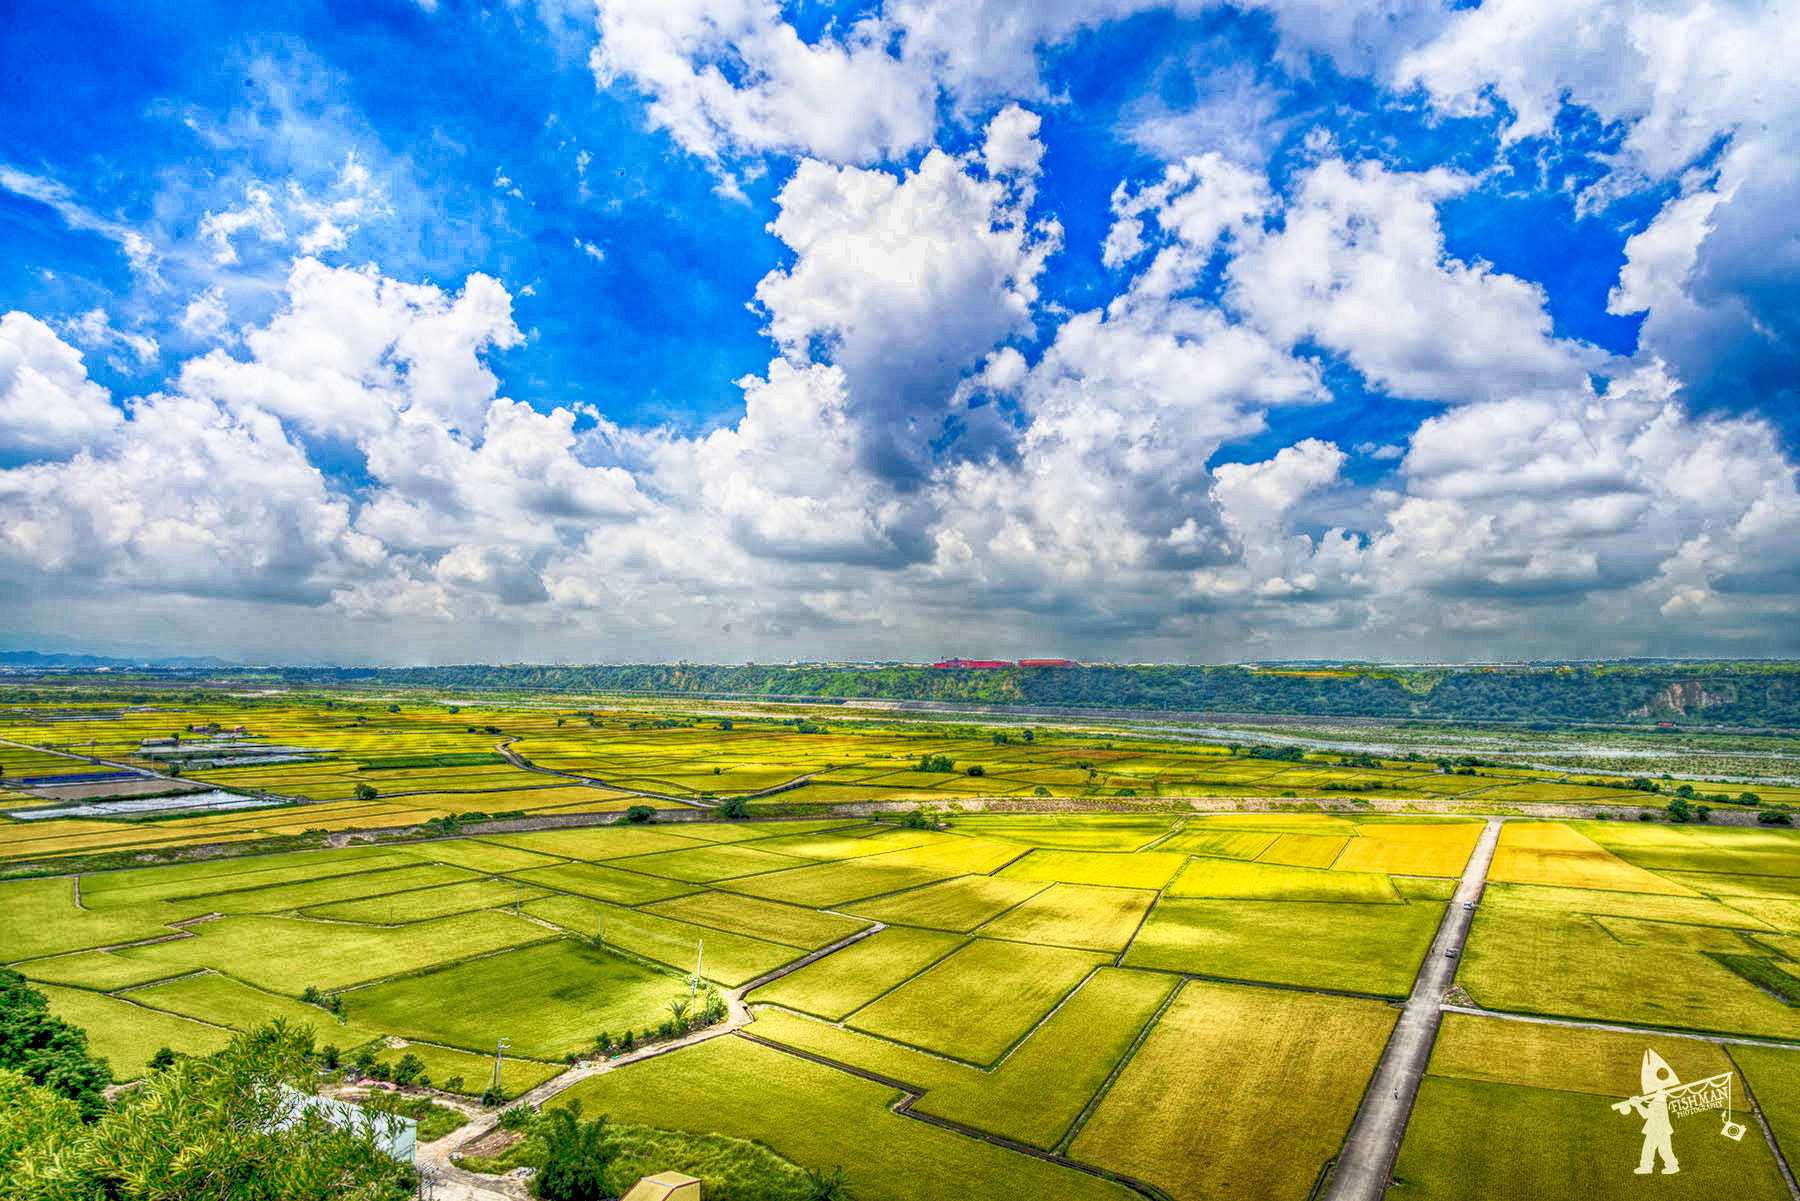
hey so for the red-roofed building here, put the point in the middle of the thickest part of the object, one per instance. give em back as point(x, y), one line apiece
point(976, 664)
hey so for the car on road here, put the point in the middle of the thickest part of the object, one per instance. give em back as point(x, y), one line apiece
point(1450, 953)
point(1469, 906)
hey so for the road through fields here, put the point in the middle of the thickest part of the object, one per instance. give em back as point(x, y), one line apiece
point(1366, 1165)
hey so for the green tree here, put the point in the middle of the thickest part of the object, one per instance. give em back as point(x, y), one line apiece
point(576, 1156)
point(366, 792)
point(640, 814)
point(229, 1127)
point(737, 806)
point(47, 1050)
point(408, 1069)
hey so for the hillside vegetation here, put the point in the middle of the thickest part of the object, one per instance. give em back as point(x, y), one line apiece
point(1738, 694)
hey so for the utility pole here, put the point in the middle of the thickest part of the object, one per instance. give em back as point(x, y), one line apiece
point(600, 927)
point(699, 961)
point(501, 1046)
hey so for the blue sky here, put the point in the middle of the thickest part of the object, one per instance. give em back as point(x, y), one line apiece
point(735, 330)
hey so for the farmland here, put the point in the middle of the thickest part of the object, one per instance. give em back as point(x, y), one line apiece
point(1157, 998)
point(221, 769)
point(1512, 1110)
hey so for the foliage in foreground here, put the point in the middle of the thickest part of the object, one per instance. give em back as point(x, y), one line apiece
point(730, 1169)
point(47, 1051)
point(214, 1129)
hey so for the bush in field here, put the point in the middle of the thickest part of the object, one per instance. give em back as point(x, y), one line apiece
point(640, 814)
point(827, 1186)
point(1679, 810)
point(917, 819)
point(516, 1118)
point(1040, 790)
point(1771, 818)
point(737, 806)
point(454, 1084)
point(366, 792)
point(408, 1069)
point(937, 763)
point(975, 769)
point(576, 1156)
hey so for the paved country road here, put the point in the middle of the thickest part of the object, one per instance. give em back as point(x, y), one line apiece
point(1366, 1165)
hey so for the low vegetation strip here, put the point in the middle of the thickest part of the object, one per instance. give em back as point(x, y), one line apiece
point(730, 959)
point(127, 1035)
point(844, 981)
point(919, 1070)
point(1556, 1137)
point(1087, 916)
point(1147, 869)
point(604, 883)
point(797, 927)
point(1566, 965)
point(1238, 1092)
point(1410, 849)
point(1373, 949)
point(1774, 1077)
point(282, 954)
point(549, 1000)
point(821, 1118)
point(1261, 881)
point(1038, 1091)
point(1553, 853)
point(961, 904)
point(221, 1001)
point(980, 1000)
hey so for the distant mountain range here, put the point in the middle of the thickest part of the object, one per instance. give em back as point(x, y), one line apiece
point(62, 659)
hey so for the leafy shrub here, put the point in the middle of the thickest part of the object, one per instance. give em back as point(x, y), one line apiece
point(640, 814)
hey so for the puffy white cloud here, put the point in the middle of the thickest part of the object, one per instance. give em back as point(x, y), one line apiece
point(1359, 266)
point(1702, 90)
point(905, 282)
point(187, 499)
point(48, 405)
point(350, 349)
point(845, 97)
point(1012, 146)
point(1256, 497)
point(206, 316)
point(1596, 499)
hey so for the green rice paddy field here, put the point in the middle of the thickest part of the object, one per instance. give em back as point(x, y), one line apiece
point(1081, 1006)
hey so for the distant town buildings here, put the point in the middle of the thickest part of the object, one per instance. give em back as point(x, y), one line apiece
point(992, 664)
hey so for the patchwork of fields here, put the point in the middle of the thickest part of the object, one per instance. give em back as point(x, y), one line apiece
point(341, 764)
point(1081, 1006)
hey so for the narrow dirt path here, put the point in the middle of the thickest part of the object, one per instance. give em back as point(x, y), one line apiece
point(1366, 1165)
